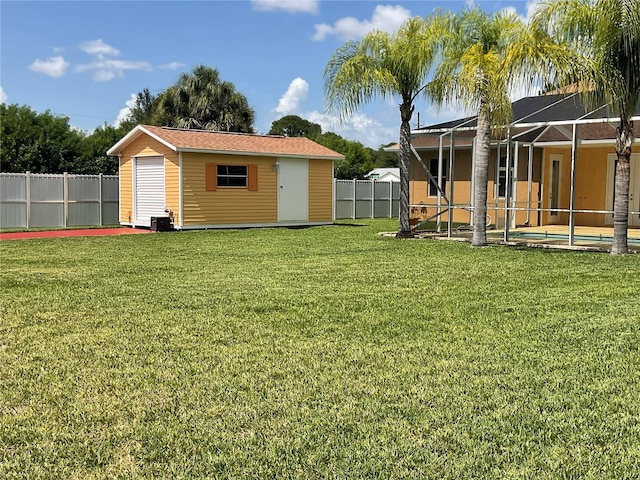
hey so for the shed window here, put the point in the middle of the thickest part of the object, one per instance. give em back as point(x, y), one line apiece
point(231, 176)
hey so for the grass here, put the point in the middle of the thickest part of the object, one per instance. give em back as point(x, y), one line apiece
point(326, 352)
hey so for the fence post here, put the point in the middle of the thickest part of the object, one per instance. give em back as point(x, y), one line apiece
point(373, 196)
point(101, 199)
point(65, 197)
point(27, 179)
point(390, 199)
point(353, 210)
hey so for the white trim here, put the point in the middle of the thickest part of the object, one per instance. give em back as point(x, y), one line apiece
point(133, 191)
point(253, 225)
point(180, 199)
point(260, 154)
point(132, 135)
point(333, 190)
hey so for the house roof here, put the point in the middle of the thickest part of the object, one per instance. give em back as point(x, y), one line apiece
point(384, 171)
point(544, 118)
point(205, 141)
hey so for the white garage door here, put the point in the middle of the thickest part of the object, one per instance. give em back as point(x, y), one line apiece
point(149, 189)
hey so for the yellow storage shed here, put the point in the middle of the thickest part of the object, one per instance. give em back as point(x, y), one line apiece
point(206, 179)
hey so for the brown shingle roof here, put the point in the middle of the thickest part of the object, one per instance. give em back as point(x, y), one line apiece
point(241, 143)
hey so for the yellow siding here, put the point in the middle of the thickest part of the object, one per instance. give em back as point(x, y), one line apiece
point(419, 189)
point(590, 186)
point(320, 190)
point(126, 196)
point(172, 186)
point(227, 206)
point(145, 146)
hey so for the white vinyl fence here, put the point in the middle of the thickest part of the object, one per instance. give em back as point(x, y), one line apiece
point(366, 199)
point(29, 200)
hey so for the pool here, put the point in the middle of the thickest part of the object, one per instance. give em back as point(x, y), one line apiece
point(565, 237)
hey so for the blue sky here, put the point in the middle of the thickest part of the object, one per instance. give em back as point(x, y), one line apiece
point(86, 59)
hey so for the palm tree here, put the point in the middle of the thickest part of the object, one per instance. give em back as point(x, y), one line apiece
point(201, 100)
point(607, 32)
point(483, 57)
point(384, 65)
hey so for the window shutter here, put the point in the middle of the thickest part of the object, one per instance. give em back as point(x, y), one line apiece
point(211, 176)
point(252, 180)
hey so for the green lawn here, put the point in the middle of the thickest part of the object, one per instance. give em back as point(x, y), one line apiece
point(326, 352)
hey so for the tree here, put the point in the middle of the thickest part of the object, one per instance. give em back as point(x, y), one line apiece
point(201, 100)
point(357, 158)
point(483, 57)
point(143, 111)
point(294, 126)
point(38, 142)
point(94, 158)
point(387, 66)
point(384, 159)
point(608, 33)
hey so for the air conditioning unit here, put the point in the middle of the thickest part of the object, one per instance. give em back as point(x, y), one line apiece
point(160, 224)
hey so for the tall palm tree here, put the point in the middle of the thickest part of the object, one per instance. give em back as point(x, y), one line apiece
point(384, 65)
point(201, 100)
point(484, 56)
point(607, 32)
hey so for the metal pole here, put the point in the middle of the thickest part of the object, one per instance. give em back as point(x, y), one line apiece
point(496, 185)
point(439, 195)
point(451, 202)
point(514, 202)
point(507, 187)
point(529, 182)
point(472, 218)
point(574, 155)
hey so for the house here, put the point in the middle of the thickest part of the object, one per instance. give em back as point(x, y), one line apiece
point(384, 174)
point(205, 179)
point(553, 165)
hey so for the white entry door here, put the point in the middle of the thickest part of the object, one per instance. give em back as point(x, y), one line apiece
point(293, 190)
point(634, 188)
point(148, 190)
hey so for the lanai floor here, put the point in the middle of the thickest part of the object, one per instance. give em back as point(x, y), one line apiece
point(551, 236)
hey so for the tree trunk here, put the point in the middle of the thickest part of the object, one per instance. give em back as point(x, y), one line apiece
point(404, 158)
point(483, 150)
point(624, 141)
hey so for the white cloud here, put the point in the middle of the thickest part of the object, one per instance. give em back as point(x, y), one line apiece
point(297, 92)
point(53, 66)
point(108, 69)
point(358, 127)
point(171, 66)
point(105, 67)
point(3, 96)
point(532, 7)
point(291, 6)
point(387, 18)
point(123, 114)
point(99, 48)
